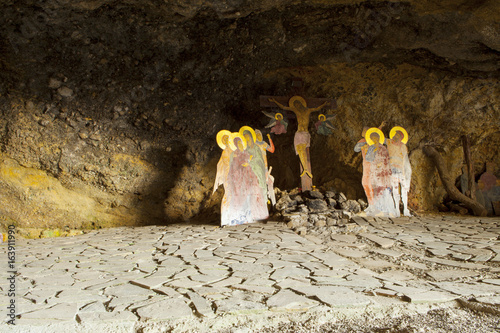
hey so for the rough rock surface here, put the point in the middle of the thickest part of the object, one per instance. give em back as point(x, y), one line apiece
point(109, 110)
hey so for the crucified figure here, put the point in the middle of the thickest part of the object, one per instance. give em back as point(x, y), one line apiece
point(302, 139)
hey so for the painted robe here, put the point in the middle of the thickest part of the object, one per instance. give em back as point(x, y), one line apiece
point(246, 202)
point(380, 178)
point(264, 147)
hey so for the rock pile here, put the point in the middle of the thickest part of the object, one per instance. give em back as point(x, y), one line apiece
point(317, 212)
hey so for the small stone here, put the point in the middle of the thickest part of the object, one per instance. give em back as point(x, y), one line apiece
point(302, 231)
point(341, 197)
point(363, 204)
point(30, 105)
point(314, 194)
point(44, 122)
point(317, 205)
point(331, 202)
point(351, 206)
point(54, 83)
point(297, 221)
point(331, 222)
point(330, 194)
point(320, 223)
point(95, 137)
point(283, 203)
point(83, 135)
point(65, 92)
point(298, 199)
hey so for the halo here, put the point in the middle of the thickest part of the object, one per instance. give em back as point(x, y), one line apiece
point(322, 115)
point(374, 130)
point(276, 116)
point(248, 128)
point(220, 135)
point(402, 130)
point(297, 98)
point(233, 136)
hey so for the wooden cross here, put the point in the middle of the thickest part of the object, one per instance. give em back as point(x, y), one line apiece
point(296, 105)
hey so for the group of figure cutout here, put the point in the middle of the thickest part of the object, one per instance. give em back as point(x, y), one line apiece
point(386, 170)
point(244, 173)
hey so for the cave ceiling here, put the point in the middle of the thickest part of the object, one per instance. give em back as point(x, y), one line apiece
point(454, 35)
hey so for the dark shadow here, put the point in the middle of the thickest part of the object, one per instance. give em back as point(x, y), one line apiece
point(155, 203)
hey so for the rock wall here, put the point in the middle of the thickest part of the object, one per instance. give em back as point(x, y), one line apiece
point(433, 106)
point(109, 110)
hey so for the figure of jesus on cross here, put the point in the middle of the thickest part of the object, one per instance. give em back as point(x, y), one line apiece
point(302, 139)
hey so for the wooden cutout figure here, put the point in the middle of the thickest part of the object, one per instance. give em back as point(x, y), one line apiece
point(376, 174)
point(277, 123)
point(224, 161)
point(400, 166)
point(242, 171)
point(488, 186)
point(302, 139)
point(324, 125)
point(265, 147)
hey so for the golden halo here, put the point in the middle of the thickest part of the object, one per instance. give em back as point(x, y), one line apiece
point(233, 136)
point(402, 130)
point(322, 115)
point(220, 135)
point(297, 98)
point(248, 128)
point(374, 130)
point(276, 116)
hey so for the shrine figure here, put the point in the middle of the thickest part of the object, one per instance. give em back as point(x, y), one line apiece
point(225, 159)
point(324, 125)
point(302, 139)
point(376, 173)
point(277, 123)
point(489, 187)
point(362, 146)
point(265, 147)
point(245, 201)
point(400, 166)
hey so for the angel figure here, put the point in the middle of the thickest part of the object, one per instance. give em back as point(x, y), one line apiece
point(324, 125)
point(277, 123)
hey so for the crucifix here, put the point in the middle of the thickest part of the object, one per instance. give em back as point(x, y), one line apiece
point(302, 108)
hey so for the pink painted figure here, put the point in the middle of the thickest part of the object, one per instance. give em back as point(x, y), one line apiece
point(490, 191)
point(265, 147)
point(377, 175)
point(221, 177)
point(400, 167)
point(277, 123)
point(224, 161)
point(247, 202)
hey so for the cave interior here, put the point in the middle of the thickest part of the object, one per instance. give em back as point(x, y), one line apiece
point(110, 109)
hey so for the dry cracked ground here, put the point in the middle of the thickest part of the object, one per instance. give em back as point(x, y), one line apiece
point(418, 274)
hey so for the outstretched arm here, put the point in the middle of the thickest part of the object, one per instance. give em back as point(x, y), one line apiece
point(319, 107)
point(270, 148)
point(279, 104)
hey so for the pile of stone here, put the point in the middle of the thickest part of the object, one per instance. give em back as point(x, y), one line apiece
point(316, 212)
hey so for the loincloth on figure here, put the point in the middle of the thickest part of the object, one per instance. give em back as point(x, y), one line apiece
point(300, 139)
